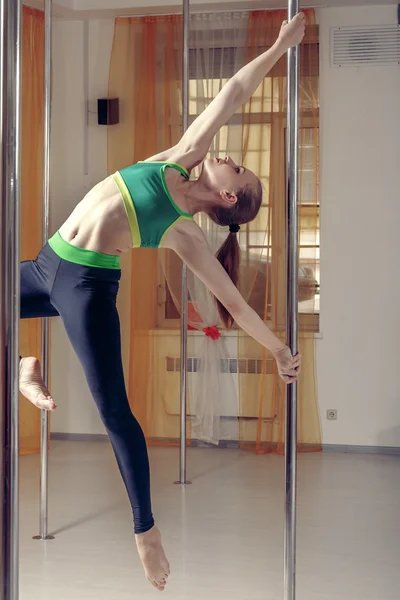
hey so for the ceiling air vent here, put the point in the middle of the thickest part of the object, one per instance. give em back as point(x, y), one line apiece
point(366, 46)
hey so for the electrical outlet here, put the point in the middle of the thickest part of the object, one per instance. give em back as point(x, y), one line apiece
point(331, 415)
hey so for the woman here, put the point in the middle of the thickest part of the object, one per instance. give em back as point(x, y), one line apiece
point(150, 204)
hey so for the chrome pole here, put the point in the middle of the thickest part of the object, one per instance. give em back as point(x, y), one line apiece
point(184, 299)
point(10, 134)
point(44, 421)
point(292, 309)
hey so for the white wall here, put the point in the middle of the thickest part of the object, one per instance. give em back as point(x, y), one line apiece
point(357, 356)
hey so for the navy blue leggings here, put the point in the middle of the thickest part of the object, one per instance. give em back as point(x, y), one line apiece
point(85, 299)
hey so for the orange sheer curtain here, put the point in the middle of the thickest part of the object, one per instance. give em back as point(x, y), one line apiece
point(145, 74)
point(262, 398)
point(31, 194)
point(256, 137)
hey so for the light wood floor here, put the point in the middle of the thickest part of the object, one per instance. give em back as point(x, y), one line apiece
point(223, 534)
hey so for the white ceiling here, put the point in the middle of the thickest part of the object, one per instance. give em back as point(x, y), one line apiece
point(109, 8)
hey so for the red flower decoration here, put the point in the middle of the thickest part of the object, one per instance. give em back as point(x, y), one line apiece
point(212, 332)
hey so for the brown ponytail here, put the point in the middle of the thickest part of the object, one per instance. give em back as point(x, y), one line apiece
point(248, 204)
point(229, 257)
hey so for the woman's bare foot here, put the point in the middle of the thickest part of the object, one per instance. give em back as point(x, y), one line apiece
point(153, 557)
point(31, 384)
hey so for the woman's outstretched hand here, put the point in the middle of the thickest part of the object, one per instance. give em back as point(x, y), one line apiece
point(289, 366)
point(293, 33)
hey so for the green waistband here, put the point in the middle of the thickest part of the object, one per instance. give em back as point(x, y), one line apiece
point(80, 256)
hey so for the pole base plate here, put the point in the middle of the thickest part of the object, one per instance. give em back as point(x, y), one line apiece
point(182, 483)
point(39, 537)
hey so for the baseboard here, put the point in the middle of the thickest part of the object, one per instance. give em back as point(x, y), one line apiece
point(331, 448)
point(79, 437)
point(339, 448)
point(102, 437)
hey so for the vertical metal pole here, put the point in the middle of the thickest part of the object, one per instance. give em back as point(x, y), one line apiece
point(44, 429)
point(10, 134)
point(184, 300)
point(292, 309)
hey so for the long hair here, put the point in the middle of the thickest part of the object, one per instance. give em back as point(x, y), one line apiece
point(246, 208)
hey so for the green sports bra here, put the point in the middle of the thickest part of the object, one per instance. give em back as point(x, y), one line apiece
point(149, 206)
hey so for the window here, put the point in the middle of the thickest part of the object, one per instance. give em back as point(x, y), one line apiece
point(257, 246)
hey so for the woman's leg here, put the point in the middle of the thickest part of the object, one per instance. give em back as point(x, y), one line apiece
point(35, 293)
point(92, 324)
point(88, 309)
point(35, 302)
